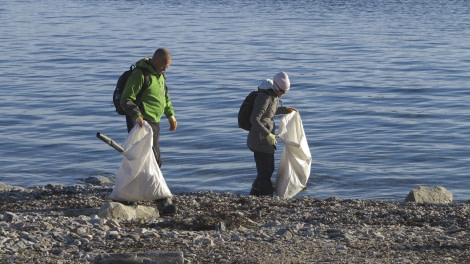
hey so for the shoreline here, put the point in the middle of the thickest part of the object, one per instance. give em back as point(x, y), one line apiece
point(108, 182)
point(47, 224)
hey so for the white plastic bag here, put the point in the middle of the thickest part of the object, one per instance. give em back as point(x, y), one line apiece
point(139, 178)
point(296, 160)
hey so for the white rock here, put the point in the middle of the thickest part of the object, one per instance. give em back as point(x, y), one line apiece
point(427, 194)
point(121, 211)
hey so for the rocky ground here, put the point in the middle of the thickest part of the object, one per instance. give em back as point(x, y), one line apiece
point(59, 224)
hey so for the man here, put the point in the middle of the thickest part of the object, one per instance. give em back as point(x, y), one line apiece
point(261, 138)
point(145, 97)
point(149, 103)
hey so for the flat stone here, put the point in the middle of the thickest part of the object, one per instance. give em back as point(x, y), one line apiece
point(81, 211)
point(153, 257)
point(98, 180)
point(121, 211)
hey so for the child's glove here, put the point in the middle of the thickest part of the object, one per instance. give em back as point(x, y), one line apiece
point(271, 139)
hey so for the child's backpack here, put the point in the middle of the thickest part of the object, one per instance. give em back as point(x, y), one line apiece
point(121, 83)
point(246, 108)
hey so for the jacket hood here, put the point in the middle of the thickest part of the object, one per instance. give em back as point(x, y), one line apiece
point(269, 91)
point(145, 64)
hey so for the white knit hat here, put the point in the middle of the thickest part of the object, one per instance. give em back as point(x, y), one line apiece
point(266, 84)
point(281, 82)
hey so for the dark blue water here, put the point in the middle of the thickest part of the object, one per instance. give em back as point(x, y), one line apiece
point(382, 88)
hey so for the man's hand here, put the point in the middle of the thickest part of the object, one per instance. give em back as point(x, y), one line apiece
point(173, 123)
point(290, 110)
point(139, 120)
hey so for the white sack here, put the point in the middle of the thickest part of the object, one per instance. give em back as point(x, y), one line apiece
point(139, 178)
point(296, 160)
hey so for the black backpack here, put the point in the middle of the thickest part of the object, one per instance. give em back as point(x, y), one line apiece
point(121, 83)
point(246, 108)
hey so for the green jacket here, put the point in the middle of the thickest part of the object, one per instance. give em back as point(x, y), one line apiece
point(154, 100)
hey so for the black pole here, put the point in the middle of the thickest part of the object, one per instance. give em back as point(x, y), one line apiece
point(110, 142)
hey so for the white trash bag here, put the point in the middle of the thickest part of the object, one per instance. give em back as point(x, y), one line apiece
point(296, 160)
point(139, 178)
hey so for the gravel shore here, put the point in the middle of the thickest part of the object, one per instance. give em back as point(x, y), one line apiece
point(59, 224)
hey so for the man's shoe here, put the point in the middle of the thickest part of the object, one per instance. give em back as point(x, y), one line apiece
point(169, 209)
point(165, 206)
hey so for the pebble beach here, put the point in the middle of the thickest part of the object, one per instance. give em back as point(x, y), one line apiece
point(60, 224)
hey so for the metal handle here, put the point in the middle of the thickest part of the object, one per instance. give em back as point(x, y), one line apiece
point(110, 142)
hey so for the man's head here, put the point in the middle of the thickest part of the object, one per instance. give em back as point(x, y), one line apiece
point(281, 83)
point(161, 60)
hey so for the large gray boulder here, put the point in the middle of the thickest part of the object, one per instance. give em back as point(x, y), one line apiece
point(117, 210)
point(6, 187)
point(428, 194)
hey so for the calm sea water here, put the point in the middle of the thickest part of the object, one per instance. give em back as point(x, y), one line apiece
point(382, 88)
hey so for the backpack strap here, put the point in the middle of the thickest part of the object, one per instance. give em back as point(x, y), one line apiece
point(146, 79)
point(144, 86)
